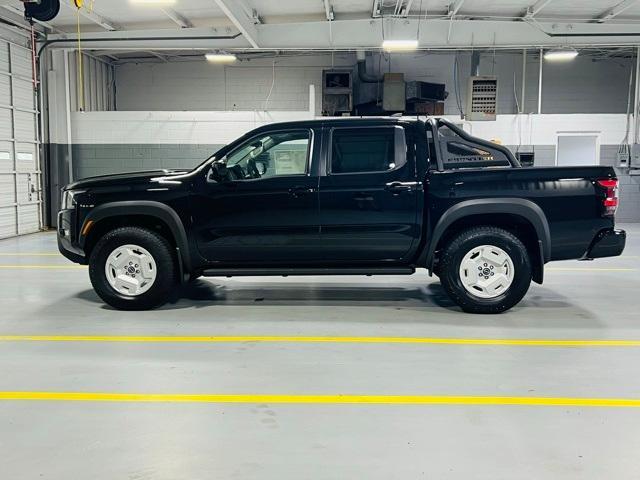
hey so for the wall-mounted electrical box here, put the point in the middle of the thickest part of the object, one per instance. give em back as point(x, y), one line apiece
point(634, 159)
point(337, 92)
point(482, 98)
point(624, 155)
point(526, 158)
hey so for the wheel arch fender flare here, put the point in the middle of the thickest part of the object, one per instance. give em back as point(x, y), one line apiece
point(512, 206)
point(148, 208)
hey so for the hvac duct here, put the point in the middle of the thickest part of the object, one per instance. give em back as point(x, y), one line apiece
point(363, 76)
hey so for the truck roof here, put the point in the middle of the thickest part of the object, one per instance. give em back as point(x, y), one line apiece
point(355, 121)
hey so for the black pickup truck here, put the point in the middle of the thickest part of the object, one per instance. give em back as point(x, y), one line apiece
point(366, 196)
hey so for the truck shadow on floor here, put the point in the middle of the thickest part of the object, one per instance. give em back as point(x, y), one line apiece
point(340, 293)
point(312, 294)
point(409, 296)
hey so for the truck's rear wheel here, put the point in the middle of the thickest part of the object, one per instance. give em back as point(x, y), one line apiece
point(485, 270)
point(132, 268)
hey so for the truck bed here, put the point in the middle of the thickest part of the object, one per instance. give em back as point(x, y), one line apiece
point(568, 197)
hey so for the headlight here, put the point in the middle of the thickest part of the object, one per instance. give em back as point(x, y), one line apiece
point(69, 198)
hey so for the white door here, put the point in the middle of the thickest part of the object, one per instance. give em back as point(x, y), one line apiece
point(576, 149)
point(20, 173)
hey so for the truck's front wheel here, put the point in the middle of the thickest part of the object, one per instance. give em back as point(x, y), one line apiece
point(485, 270)
point(132, 268)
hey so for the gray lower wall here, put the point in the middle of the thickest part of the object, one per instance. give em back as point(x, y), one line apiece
point(56, 168)
point(91, 160)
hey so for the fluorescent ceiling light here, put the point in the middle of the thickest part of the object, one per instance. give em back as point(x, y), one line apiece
point(220, 57)
point(561, 54)
point(396, 45)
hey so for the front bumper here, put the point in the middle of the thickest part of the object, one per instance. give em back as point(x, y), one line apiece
point(67, 237)
point(607, 243)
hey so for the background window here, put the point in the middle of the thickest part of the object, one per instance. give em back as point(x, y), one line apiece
point(363, 150)
point(274, 154)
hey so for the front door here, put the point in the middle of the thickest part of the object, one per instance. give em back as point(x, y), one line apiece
point(260, 204)
point(368, 198)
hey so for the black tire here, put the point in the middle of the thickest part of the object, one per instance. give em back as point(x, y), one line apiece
point(463, 243)
point(156, 245)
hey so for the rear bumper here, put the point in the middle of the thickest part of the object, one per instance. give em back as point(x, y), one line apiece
point(607, 243)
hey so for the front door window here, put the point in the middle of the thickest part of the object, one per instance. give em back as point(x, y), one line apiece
point(267, 156)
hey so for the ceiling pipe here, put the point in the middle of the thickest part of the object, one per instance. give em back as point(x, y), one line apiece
point(365, 77)
point(133, 39)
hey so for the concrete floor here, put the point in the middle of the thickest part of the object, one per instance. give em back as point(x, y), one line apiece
point(98, 440)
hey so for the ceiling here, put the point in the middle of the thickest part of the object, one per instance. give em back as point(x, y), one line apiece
point(127, 15)
point(347, 24)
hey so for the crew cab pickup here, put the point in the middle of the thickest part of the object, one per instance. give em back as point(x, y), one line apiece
point(359, 196)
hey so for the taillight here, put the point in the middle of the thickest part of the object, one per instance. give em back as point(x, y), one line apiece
point(610, 202)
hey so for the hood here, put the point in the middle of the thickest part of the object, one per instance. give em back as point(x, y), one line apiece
point(123, 179)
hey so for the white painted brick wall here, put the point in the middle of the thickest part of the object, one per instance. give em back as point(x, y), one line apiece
point(222, 127)
point(171, 127)
point(543, 129)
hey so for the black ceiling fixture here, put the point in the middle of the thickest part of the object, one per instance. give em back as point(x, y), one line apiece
point(42, 10)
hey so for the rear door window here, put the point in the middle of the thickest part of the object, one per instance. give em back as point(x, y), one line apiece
point(362, 150)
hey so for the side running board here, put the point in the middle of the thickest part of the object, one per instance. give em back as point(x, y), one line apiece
point(260, 272)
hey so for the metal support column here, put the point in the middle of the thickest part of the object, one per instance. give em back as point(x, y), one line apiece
point(636, 100)
point(67, 90)
point(540, 82)
point(524, 79)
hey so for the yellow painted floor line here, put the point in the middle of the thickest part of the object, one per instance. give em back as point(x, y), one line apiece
point(32, 254)
point(44, 267)
point(322, 339)
point(588, 269)
point(320, 399)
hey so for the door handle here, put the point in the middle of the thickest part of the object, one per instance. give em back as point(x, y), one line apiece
point(399, 187)
point(299, 191)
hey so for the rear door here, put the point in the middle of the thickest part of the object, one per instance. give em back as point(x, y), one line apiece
point(368, 201)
